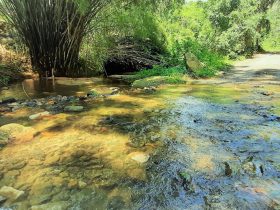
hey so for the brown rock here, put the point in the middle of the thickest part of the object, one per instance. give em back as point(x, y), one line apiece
point(18, 133)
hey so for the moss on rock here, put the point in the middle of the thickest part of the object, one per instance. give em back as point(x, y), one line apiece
point(157, 81)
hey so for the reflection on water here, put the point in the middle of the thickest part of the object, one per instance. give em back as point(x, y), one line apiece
point(62, 86)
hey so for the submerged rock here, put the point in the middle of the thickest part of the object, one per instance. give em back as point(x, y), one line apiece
point(139, 157)
point(82, 184)
point(18, 132)
point(51, 206)
point(74, 108)
point(115, 91)
point(11, 193)
point(39, 115)
point(8, 100)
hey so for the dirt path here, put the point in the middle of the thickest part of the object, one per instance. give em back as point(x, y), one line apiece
point(261, 69)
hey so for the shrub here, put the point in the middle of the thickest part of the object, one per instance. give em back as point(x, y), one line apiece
point(174, 72)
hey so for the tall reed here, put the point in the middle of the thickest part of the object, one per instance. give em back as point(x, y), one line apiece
point(52, 30)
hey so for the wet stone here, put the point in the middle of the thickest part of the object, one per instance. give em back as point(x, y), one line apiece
point(11, 193)
point(18, 132)
point(5, 109)
point(7, 100)
point(82, 184)
point(73, 108)
point(139, 157)
point(2, 199)
point(266, 93)
point(51, 206)
point(228, 170)
point(39, 115)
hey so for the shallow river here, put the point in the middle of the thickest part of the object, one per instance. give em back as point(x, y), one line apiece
point(195, 146)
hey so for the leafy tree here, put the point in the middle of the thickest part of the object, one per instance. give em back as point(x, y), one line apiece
point(272, 40)
point(240, 25)
point(125, 38)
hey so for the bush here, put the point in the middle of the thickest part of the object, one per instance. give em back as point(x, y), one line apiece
point(174, 72)
point(8, 74)
point(271, 44)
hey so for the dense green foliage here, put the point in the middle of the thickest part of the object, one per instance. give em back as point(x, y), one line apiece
point(212, 30)
point(150, 35)
point(176, 72)
point(240, 26)
point(272, 40)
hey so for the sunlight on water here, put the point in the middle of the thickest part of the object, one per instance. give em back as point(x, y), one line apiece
point(88, 158)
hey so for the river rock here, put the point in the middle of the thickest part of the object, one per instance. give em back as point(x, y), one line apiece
point(62, 205)
point(115, 90)
point(64, 98)
point(192, 62)
point(31, 104)
point(13, 105)
point(8, 100)
point(73, 108)
point(18, 132)
point(139, 157)
point(39, 103)
point(82, 184)
point(266, 93)
point(150, 89)
point(2, 199)
point(5, 109)
point(11, 193)
point(39, 115)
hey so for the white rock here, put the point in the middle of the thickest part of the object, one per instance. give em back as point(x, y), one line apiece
point(139, 157)
point(39, 115)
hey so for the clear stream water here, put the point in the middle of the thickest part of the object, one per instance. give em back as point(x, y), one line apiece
point(182, 147)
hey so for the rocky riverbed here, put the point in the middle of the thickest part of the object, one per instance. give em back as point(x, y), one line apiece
point(194, 146)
